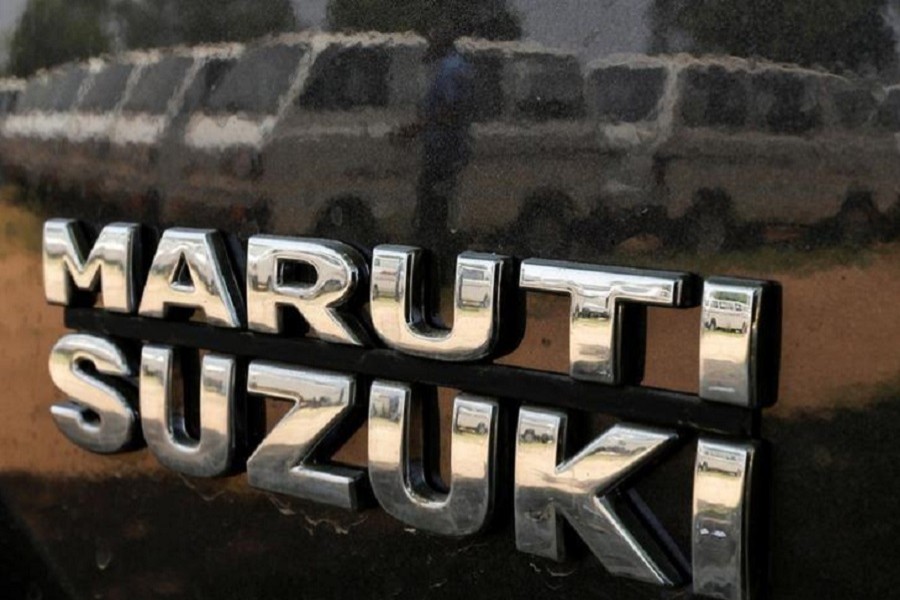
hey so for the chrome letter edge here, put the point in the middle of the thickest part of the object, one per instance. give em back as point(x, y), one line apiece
point(598, 293)
point(339, 269)
point(399, 315)
point(69, 263)
point(401, 486)
point(165, 431)
point(200, 255)
point(723, 476)
point(283, 462)
point(98, 415)
point(547, 488)
point(735, 345)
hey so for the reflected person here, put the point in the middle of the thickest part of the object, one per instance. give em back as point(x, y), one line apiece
point(446, 117)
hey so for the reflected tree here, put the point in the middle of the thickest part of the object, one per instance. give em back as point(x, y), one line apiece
point(490, 19)
point(55, 31)
point(846, 34)
point(52, 32)
point(154, 23)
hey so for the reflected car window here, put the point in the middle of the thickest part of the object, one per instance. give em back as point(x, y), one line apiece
point(107, 88)
point(257, 81)
point(157, 84)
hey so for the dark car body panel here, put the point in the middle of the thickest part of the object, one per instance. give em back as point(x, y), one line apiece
point(598, 177)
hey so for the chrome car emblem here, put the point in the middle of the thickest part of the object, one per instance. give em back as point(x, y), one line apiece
point(191, 270)
point(350, 370)
point(600, 299)
point(401, 320)
point(98, 416)
point(337, 270)
point(729, 340)
point(111, 262)
point(724, 472)
point(580, 489)
point(164, 429)
point(401, 484)
point(283, 461)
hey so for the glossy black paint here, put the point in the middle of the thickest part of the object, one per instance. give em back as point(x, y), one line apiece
point(82, 526)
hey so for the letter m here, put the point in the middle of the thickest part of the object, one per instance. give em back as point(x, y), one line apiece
point(110, 265)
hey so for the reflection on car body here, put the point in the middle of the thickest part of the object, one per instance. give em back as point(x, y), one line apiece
point(470, 422)
point(727, 314)
point(721, 463)
point(477, 291)
point(385, 280)
point(602, 159)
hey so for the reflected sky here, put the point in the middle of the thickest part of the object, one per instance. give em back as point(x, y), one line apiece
point(9, 14)
point(588, 27)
